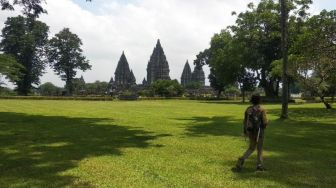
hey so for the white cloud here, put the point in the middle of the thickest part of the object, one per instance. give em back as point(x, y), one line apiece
point(184, 27)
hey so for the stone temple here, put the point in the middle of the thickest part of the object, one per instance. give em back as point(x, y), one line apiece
point(158, 67)
point(188, 77)
point(123, 76)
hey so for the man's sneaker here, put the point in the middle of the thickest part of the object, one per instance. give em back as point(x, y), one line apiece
point(261, 168)
point(239, 165)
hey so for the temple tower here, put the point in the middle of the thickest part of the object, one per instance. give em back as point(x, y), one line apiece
point(186, 75)
point(198, 76)
point(124, 77)
point(158, 67)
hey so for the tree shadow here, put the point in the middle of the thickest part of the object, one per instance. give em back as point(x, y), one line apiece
point(226, 102)
point(35, 150)
point(298, 152)
point(214, 126)
point(307, 113)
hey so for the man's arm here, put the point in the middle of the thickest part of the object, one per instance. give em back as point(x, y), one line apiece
point(245, 122)
point(264, 118)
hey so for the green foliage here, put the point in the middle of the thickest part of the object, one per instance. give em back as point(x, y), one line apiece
point(232, 91)
point(65, 56)
point(6, 92)
point(96, 88)
point(9, 68)
point(167, 88)
point(127, 95)
point(31, 8)
point(49, 89)
point(25, 39)
point(165, 143)
point(78, 86)
point(314, 55)
point(193, 85)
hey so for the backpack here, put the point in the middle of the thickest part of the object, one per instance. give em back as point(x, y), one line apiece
point(253, 120)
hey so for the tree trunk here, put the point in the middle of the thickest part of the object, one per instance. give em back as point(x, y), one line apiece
point(326, 104)
point(268, 86)
point(243, 93)
point(219, 92)
point(69, 87)
point(284, 48)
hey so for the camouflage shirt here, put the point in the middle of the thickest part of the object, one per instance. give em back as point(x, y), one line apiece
point(262, 113)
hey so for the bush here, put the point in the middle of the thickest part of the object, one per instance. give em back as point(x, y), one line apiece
point(49, 89)
point(127, 95)
point(167, 88)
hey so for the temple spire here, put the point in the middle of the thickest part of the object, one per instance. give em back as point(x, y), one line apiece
point(158, 67)
point(186, 75)
point(124, 77)
point(198, 76)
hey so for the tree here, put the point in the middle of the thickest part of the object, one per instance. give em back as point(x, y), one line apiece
point(258, 34)
point(31, 8)
point(167, 88)
point(96, 88)
point(25, 39)
point(246, 82)
point(65, 57)
point(9, 68)
point(223, 59)
point(314, 55)
point(49, 89)
point(216, 84)
point(78, 86)
point(284, 49)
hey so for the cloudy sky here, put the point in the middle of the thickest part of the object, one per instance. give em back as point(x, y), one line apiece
point(108, 27)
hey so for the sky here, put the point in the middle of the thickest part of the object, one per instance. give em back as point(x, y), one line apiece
point(109, 27)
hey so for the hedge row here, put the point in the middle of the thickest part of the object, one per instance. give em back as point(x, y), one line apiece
point(58, 98)
point(109, 98)
point(105, 98)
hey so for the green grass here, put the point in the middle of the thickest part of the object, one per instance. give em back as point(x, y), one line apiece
point(159, 144)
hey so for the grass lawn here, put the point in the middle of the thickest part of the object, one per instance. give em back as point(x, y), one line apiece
point(160, 144)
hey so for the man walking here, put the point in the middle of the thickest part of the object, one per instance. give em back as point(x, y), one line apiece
point(255, 122)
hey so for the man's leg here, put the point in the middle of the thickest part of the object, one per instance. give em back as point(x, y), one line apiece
point(251, 148)
point(247, 153)
point(260, 165)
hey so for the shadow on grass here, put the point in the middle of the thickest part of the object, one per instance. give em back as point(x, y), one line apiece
point(298, 152)
point(295, 113)
point(35, 150)
point(214, 126)
point(226, 102)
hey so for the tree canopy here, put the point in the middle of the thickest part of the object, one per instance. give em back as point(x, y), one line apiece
point(9, 68)
point(66, 56)
point(25, 39)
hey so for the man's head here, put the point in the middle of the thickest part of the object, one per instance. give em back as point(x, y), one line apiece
point(255, 99)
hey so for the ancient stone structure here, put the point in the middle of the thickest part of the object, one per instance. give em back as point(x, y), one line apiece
point(186, 77)
point(144, 82)
point(157, 68)
point(123, 76)
point(198, 76)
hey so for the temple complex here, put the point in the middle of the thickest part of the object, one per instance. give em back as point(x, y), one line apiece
point(198, 76)
point(158, 67)
point(188, 77)
point(123, 76)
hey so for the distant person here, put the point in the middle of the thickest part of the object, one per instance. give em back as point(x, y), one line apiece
point(255, 123)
